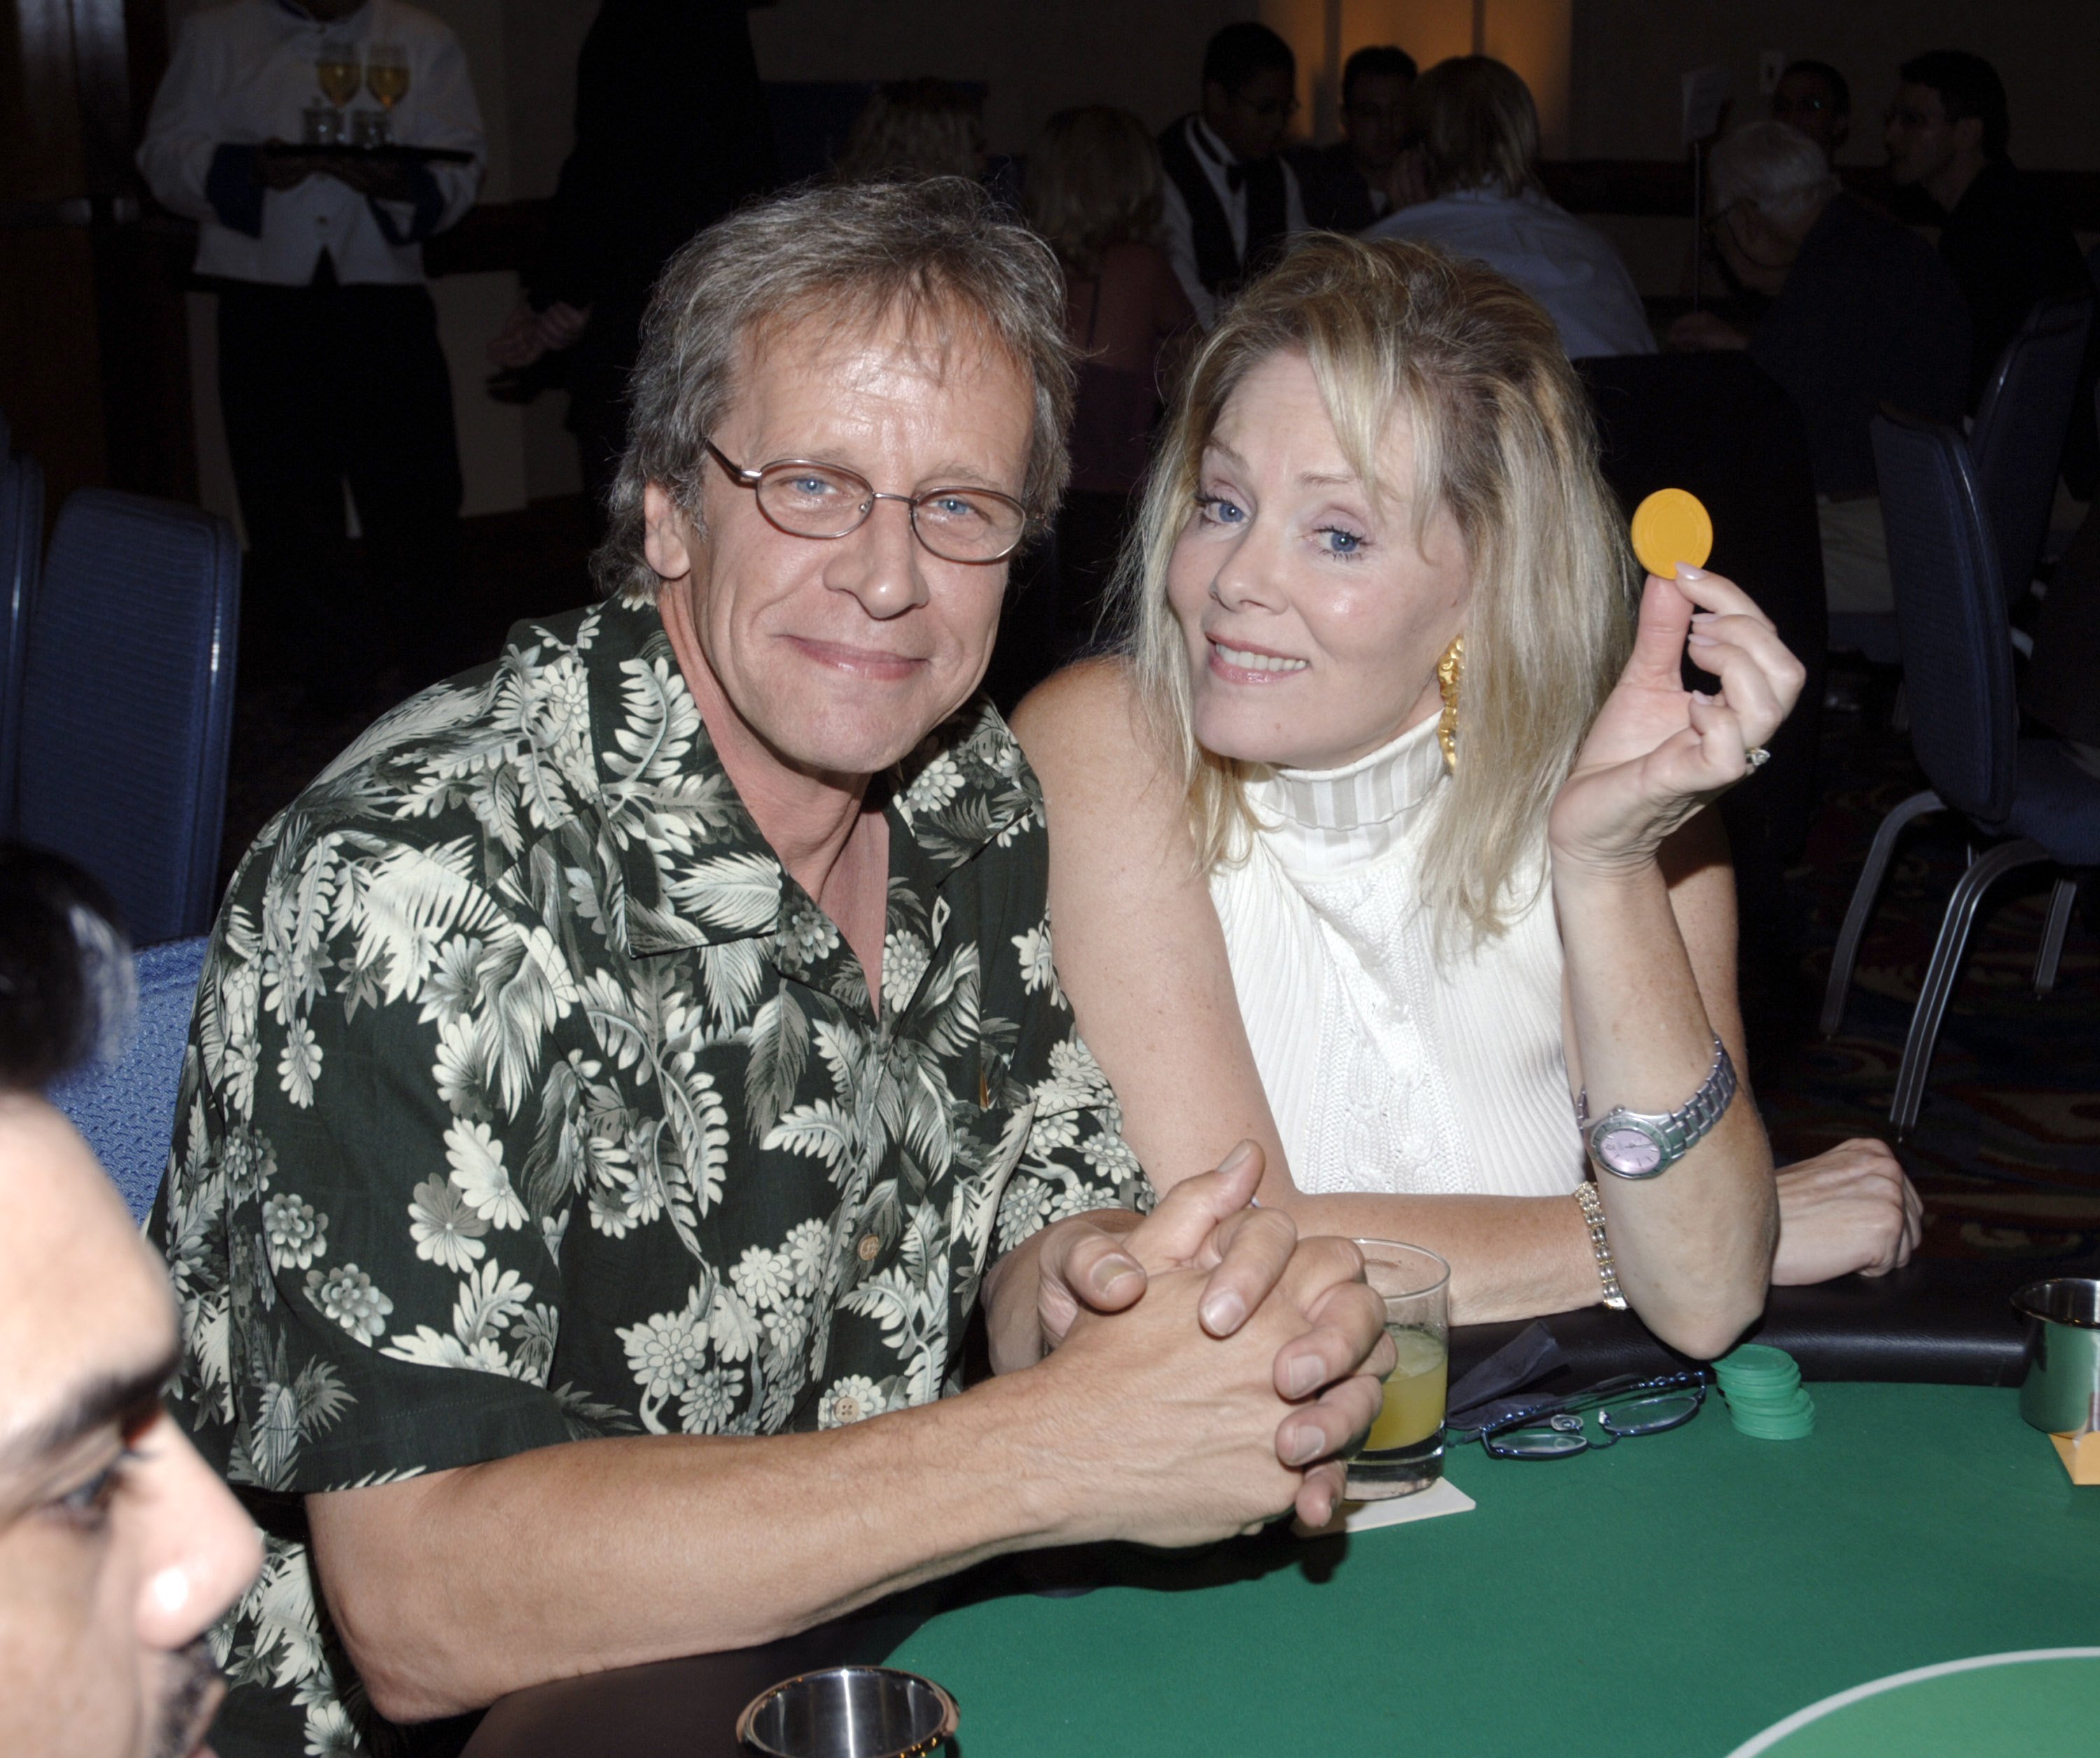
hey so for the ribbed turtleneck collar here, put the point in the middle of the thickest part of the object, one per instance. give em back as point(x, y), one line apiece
point(1329, 819)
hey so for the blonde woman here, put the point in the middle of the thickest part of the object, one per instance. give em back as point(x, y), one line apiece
point(1383, 839)
point(1094, 193)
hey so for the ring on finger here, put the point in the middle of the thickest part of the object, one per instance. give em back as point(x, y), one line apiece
point(1757, 757)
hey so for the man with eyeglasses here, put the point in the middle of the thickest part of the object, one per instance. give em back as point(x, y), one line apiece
point(618, 1081)
point(1813, 97)
point(1231, 200)
point(1348, 184)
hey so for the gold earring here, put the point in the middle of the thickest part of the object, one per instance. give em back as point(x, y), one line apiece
point(1448, 670)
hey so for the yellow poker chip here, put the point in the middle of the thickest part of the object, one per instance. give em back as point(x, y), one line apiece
point(1671, 526)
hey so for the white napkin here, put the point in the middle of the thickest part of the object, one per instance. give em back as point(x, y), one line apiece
point(1443, 1497)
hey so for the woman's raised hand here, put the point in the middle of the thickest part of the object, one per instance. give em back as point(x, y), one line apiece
point(1658, 752)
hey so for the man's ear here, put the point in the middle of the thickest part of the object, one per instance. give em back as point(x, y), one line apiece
point(666, 543)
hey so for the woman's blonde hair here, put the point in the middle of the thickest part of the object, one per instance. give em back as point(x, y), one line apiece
point(1473, 120)
point(1502, 438)
point(916, 128)
point(1094, 180)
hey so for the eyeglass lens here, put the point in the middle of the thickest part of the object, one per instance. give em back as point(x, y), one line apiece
point(1562, 1433)
point(957, 524)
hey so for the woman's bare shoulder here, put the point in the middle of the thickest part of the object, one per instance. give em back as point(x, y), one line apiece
point(1088, 735)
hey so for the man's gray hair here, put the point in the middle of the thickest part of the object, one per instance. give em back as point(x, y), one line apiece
point(939, 251)
point(1776, 167)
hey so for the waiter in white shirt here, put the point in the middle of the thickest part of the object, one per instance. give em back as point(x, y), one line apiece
point(329, 365)
point(1230, 200)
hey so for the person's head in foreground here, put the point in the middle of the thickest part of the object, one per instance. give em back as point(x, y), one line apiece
point(1473, 120)
point(1813, 97)
point(118, 1547)
point(1949, 120)
point(912, 339)
point(1249, 89)
point(1384, 449)
point(1770, 185)
point(916, 128)
point(1094, 180)
point(1375, 82)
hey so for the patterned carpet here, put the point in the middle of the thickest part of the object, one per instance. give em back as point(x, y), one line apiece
point(2007, 1147)
point(2006, 1150)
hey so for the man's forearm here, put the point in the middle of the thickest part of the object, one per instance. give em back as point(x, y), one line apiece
point(454, 1589)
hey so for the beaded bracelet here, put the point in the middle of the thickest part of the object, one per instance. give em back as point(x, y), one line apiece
point(1593, 1212)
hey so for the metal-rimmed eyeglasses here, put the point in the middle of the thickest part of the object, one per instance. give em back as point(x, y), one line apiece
point(806, 499)
point(1624, 1407)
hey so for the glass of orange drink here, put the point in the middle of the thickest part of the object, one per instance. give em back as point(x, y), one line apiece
point(1404, 1452)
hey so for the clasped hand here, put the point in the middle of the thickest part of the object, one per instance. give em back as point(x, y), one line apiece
point(1657, 751)
point(1328, 1369)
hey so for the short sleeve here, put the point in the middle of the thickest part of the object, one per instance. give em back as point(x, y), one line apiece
point(365, 1292)
point(1076, 1159)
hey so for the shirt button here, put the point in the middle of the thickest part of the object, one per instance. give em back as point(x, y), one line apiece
point(869, 1248)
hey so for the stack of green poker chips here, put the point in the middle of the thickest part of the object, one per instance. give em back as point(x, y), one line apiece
point(1766, 1398)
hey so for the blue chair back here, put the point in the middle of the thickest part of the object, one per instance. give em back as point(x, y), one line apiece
point(126, 1109)
point(21, 547)
point(2017, 438)
point(127, 704)
point(1951, 618)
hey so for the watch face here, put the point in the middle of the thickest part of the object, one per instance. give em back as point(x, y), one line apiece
point(1630, 1151)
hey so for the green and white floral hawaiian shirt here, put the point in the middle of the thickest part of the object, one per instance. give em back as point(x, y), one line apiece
point(528, 1099)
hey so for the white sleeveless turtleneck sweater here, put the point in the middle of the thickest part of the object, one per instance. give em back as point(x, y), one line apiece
point(1386, 1070)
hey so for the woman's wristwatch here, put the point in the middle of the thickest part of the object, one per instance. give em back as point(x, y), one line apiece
point(1643, 1144)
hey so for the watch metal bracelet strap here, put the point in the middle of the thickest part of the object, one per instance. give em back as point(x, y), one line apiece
point(1600, 1248)
point(1643, 1144)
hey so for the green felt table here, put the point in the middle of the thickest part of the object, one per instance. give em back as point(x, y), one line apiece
point(1672, 1597)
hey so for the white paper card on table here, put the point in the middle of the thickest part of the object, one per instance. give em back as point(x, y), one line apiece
point(1443, 1497)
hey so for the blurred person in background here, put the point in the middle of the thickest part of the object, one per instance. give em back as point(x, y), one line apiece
point(118, 1545)
point(1476, 131)
point(916, 128)
point(671, 134)
point(1348, 185)
point(2008, 246)
point(330, 367)
point(1094, 192)
point(1231, 200)
point(1813, 97)
point(1863, 314)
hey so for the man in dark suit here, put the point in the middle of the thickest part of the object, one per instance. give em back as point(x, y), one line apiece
point(1231, 200)
point(1345, 184)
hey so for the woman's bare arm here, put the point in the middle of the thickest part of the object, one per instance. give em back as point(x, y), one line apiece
point(1142, 957)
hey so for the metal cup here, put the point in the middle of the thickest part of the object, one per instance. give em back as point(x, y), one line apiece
point(322, 125)
point(2061, 1390)
point(848, 1712)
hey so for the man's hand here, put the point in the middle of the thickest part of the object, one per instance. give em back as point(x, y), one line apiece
point(1102, 1265)
point(1701, 332)
point(527, 334)
point(1850, 1209)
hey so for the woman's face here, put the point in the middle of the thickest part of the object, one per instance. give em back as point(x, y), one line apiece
point(1313, 624)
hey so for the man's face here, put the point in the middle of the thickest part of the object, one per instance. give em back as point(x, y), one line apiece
point(1251, 121)
point(1922, 142)
point(1805, 101)
point(841, 654)
point(1375, 118)
point(118, 1546)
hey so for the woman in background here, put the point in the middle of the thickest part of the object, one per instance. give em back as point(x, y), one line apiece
point(1475, 155)
point(1093, 193)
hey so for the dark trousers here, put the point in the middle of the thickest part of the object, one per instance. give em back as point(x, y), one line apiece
point(323, 384)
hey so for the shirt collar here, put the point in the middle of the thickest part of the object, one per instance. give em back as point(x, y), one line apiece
point(1208, 144)
point(697, 870)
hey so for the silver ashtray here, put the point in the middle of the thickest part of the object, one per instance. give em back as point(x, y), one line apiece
point(848, 1712)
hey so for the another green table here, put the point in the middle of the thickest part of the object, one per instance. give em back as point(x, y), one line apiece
point(1672, 1597)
